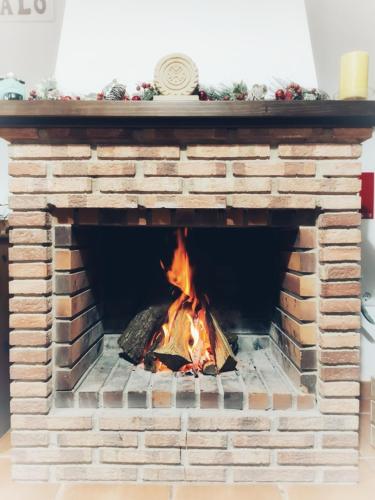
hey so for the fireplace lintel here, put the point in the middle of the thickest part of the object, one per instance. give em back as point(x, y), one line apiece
point(118, 115)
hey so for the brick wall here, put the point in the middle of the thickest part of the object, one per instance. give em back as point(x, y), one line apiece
point(319, 445)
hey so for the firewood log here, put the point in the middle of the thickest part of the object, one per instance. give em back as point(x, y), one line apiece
point(175, 353)
point(225, 360)
point(138, 334)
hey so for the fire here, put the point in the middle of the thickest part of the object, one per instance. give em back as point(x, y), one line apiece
point(187, 315)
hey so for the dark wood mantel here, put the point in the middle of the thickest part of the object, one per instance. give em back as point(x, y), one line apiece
point(262, 113)
point(161, 122)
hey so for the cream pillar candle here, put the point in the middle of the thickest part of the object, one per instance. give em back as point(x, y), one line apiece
point(354, 75)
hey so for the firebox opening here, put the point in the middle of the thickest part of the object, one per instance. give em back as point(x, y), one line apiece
point(238, 269)
point(240, 276)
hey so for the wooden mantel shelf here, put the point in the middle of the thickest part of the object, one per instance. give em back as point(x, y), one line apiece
point(103, 114)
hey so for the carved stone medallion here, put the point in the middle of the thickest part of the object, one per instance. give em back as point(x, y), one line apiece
point(176, 74)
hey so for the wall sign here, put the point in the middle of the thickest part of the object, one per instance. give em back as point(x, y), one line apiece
point(26, 10)
point(367, 195)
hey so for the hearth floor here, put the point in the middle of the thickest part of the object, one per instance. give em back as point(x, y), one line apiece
point(258, 383)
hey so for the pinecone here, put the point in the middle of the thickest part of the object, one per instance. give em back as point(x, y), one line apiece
point(116, 93)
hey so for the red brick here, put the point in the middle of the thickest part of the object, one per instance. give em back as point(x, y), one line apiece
point(67, 307)
point(318, 423)
point(96, 473)
point(228, 185)
point(94, 169)
point(230, 457)
point(27, 202)
point(49, 152)
point(340, 440)
point(30, 304)
point(30, 270)
point(110, 201)
point(139, 423)
point(340, 272)
point(340, 305)
point(29, 253)
point(339, 169)
point(339, 357)
point(185, 169)
point(340, 289)
point(56, 185)
point(29, 236)
point(30, 372)
point(98, 439)
point(329, 373)
point(68, 260)
point(280, 440)
point(317, 457)
point(339, 389)
point(165, 440)
point(27, 169)
point(341, 219)
point(30, 389)
point(338, 236)
point(265, 169)
point(139, 152)
point(340, 254)
point(339, 406)
point(29, 219)
point(118, 455)
point(52, 422)
point(30, 287)
point(271, 201)
point(235, 423)
point(51, 456)
point(30, 439)
point(319, 186)
point(30, 405)
point(23, 321)
point(342, 202)
point(156, 184)
point(182, 201)
point(33, 338)
point(30, 355)
point(339, 340)
point(230, 151)
point(320, 151)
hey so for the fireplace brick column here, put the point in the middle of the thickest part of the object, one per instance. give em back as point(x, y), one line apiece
point(149, 180)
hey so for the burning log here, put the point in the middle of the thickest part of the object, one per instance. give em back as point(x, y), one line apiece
point(139, 332)
point(225, 360)
point(175, 353)
point(185, 336)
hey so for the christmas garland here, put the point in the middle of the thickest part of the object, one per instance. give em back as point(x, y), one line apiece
point(238, 91)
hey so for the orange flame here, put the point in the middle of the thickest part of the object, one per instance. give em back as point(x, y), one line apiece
point(180, 275)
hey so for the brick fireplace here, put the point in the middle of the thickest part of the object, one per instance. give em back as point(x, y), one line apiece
point(97, 189)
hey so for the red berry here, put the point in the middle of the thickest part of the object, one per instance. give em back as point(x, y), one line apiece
point(202, 95)
point(100, 96)
point(33, 93)
point(226, 98)
point(280, 95)
point(289, 96)
point(136, 98)
point(144, 85)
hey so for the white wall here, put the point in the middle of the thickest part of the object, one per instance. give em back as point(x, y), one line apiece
point(229, 41)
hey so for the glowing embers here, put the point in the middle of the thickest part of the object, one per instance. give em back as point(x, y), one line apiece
point(190, 339)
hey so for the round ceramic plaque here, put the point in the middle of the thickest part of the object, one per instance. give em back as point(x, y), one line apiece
point(176, 74)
